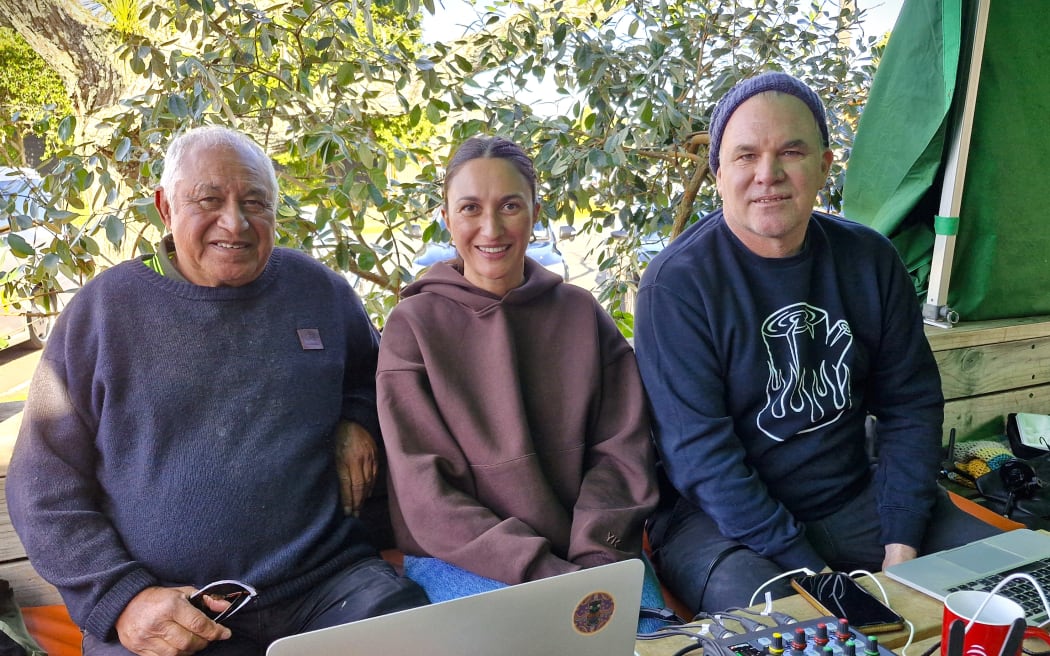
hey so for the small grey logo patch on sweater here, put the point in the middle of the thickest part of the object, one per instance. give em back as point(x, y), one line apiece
point(310, 338)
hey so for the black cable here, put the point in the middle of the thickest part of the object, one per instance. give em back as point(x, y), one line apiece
point(931, 649)
point(684, 630)
point(1035, 653)
point(715, 622)
point(688, 630)
point(710, 648)
point(749, 625)
point(781, 619)
point(715, 562)
point(687, 649)
point(666, 632)
point(662, 614)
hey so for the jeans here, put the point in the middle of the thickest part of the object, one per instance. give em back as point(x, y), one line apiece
point(368, 588)
point(711, 573)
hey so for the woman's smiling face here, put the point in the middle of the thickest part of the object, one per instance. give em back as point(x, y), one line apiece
point(490, 210)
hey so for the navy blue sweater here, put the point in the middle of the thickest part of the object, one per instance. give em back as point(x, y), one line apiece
point(760, 373)
point(177, 434)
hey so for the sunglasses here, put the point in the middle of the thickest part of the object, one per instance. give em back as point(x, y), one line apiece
point(235, 592)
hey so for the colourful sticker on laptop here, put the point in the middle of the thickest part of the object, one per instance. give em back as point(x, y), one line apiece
point(593, 613)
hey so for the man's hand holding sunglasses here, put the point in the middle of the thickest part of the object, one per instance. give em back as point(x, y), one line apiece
point(221, 599)
point(166, 622)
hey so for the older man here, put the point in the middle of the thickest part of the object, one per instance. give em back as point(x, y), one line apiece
point(766, 334)
point(183, 425)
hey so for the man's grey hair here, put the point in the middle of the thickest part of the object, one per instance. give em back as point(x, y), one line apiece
point(207, 137)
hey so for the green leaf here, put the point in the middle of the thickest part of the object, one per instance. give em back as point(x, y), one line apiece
point(433, 112)
point(346, 74)
point(342, 256)
point(138, 64)
point(59, 216)
point(66, 128)
point(311, 143)
point(114, 229)
point(90, 245)
point(50, 263)
point(123, 150)
point(154, 219)
point(366, 260)
point(647, 112)
point(305, 85)
point(559, 33)
point(464, 64)
point(177, 106)
point(376, 195)
point(19, 246)
point(365, 156)
point(84, 179)
point(64, 254)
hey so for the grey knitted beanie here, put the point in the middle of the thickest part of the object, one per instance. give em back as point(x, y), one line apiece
point(744, 89)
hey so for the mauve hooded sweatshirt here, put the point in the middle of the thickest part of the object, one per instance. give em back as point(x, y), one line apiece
point(516, 428)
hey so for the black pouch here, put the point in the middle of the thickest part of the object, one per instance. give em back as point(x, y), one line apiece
point(1028, 434)
point(1016, 490)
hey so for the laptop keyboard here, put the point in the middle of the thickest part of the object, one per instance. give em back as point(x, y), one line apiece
point(1019, 590)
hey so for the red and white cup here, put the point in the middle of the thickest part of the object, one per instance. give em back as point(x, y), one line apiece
point(988, 634)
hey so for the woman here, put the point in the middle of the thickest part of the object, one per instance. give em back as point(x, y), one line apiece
point(512, 409)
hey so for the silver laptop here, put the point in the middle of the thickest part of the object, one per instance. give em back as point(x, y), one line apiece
point(593, 612)
point(981, 565)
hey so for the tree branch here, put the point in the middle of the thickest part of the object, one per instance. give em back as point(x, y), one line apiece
point(692, 186)
point(76, 44)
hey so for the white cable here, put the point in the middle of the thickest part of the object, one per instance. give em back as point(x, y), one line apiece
point(981, 607)
point(911, 636)
point(803, 570)
point(878, 584)
point(1014, 577)
point(768, 608)
point(886, 600)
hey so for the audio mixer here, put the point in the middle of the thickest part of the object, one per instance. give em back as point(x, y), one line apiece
point(826, 636)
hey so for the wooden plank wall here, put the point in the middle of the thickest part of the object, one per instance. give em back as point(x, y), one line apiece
point(990, 369)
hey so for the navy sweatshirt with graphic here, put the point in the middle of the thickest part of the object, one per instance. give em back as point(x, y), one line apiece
point(760, 373)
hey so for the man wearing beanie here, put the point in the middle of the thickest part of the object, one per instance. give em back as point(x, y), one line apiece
point(766, 334)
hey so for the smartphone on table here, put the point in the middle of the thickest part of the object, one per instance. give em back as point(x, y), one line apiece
point(839, 595)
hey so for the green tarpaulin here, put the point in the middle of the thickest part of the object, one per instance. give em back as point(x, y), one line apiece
point(1001, 267)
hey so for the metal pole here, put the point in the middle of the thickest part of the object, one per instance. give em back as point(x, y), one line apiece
point(936, 310)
